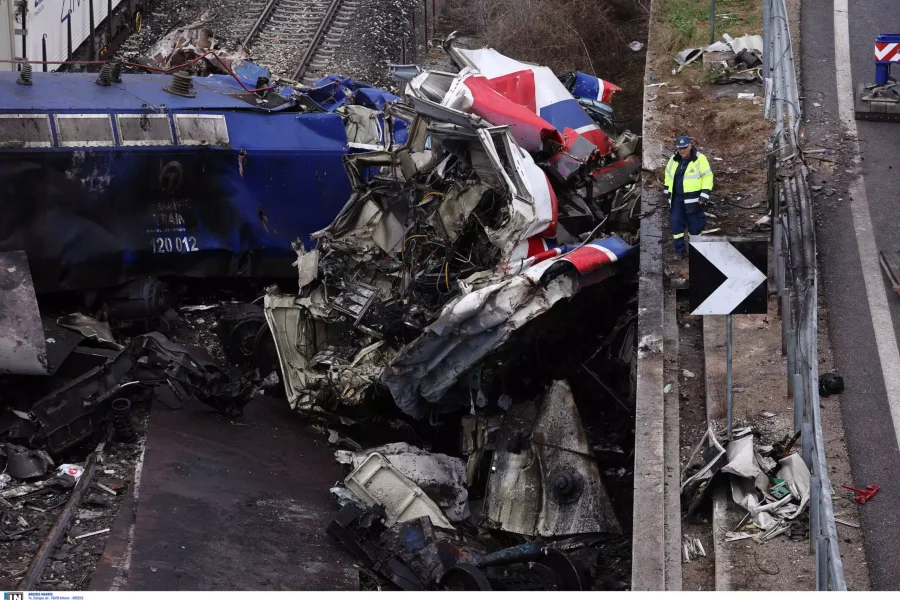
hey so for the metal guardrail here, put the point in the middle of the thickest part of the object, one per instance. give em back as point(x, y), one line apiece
point(782, 95)
point(794, 247)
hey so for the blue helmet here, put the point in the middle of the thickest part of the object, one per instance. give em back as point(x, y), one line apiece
point(683, 141)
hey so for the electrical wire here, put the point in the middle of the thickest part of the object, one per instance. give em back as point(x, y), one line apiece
point(403, 249)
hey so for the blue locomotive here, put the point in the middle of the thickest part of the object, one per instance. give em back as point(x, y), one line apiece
point(104, 180)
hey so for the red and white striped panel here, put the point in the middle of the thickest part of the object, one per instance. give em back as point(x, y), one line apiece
point(887, 52)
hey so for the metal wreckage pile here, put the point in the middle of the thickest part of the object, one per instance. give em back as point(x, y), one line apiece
point(480, 278)
point(430, 287)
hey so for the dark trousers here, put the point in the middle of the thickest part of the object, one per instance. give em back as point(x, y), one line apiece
point(679, 220)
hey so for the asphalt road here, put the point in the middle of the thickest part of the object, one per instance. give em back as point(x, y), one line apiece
point(871, 434)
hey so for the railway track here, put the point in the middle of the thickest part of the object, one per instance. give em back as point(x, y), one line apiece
point(298, 38)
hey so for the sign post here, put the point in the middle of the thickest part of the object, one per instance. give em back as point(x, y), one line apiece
point(728, 277)
point(728, 387)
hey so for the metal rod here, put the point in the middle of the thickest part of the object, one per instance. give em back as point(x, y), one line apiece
point(799, 413)
point(44, 51)
point(69, 34)
point(728, 382)
point(414, 51)
point(93, 44)
point(109, 24)
point(24, 29)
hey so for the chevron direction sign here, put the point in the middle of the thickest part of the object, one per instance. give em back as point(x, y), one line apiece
point(728, 277)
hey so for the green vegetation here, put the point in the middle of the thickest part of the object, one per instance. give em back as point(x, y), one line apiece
point(685, 23)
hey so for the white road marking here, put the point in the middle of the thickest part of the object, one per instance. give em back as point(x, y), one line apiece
point(885, 340)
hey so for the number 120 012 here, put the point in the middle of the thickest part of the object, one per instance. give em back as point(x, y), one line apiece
point(165, 245)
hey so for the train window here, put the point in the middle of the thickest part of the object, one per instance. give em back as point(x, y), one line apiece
point(201, 130)
point(80, 131)
point(144, 130)
point(25, 131)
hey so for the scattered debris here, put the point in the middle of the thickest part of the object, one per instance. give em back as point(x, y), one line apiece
point(691, 549)
point(441, 477)
point(830, 384)
point(773, 489)
point(22, 463)
point(847, 523)
point(861, 496)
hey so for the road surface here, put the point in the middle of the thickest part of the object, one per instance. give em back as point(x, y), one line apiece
point(837, 41)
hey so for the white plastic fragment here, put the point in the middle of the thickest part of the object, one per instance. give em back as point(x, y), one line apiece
point(72, 470)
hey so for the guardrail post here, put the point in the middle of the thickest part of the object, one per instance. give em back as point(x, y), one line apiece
point(791, 339)
point(815, 491)
point(822, 564)
point(767, 36)
point(806, 443)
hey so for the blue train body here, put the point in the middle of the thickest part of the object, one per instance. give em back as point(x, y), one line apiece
point(105, 184)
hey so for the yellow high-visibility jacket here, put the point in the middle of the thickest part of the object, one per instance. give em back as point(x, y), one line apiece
point(697, 182)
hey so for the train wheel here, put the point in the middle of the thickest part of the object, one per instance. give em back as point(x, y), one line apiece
point(138, 21)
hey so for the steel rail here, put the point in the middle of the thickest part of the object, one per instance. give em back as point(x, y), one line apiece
point(318, 38)
point(263, 17)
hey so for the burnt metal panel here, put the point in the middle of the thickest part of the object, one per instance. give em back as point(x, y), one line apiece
point(84, 130)
point(202, 130)
point(25, 131)
point(22, 347)
point(144, 130)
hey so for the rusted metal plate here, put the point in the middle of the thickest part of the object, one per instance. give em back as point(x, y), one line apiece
point(108, 573)
point(236, 505)
point(22, 348)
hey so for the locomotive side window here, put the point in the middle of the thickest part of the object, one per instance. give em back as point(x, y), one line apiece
point(144, 130)
point(201, 130)
point(84, 131)
point(25, 131)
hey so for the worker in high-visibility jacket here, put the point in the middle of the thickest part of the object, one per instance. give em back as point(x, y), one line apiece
point(689, 181)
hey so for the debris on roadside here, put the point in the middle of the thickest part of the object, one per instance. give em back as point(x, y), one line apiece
point(862, 496)
point(830, 384)
point(771, 486)
point(731, 61)
point(691, 549)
